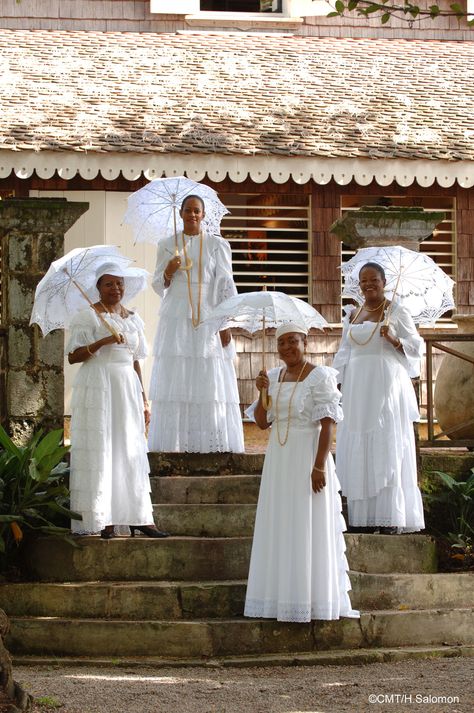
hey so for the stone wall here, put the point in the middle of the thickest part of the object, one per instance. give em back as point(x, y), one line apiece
point(32, 231)
point(3, 375)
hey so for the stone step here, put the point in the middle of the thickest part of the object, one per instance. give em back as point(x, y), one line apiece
point(340, 657)
point(205, 520)
point(201, 559)
point(412, 591)
point(125, 600)
point(226, 489)
point(457, 463)
point(236, 637)
point(219, 599)
point(192, 464)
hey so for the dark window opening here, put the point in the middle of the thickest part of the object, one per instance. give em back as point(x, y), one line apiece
point(242, 5)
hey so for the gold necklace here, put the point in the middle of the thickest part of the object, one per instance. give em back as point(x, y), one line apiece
point(282, 443)
point(195, 321)
point(109, 311)
point(362, 344)
point(374, 309)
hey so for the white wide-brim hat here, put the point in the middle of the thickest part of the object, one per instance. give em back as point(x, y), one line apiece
point(135, 279)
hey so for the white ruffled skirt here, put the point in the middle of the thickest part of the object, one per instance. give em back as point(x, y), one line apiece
point(193, 388)
point(298, 568)
point(375, 446)
point(109, 480)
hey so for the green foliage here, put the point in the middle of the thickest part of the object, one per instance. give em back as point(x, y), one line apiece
point(450, 515)
point(33, 493)
point(404, 10)
point(48, 702)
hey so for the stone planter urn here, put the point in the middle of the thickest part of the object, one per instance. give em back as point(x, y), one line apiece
point(377, 226)
point(454, 389)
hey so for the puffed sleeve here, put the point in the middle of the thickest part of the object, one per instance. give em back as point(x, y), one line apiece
point(224, 281)
point(342, 356)
point(325, 395)
point(164, 254)
point(403, 327)
point(273, 378)
point(82, 330)
point(141, 352)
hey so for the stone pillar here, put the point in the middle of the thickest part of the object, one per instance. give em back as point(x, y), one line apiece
point(32, 231)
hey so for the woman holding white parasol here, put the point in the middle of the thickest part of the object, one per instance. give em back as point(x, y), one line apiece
point(379, 352)
point(109, 483)
point(298, 569)
point(193, 384)
point(84, 291)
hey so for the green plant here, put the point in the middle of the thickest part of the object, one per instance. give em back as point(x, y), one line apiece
point(456, 502)
point(450, 516)
point(33, 493)
point(48, 702)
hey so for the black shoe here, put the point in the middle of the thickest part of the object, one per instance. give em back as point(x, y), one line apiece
point(148, 531)
point(107, 534)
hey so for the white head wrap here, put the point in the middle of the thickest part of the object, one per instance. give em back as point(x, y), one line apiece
point(288, 327)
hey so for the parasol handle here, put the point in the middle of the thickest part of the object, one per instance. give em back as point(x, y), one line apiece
point(393, 297)
point(176, 251)
point(266, 400)
point(100, 315)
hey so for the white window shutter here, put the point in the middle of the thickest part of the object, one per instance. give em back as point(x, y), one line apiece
point(175, 7)
point(309, 8)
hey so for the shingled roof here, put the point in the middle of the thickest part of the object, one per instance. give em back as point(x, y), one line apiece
point(236, 94)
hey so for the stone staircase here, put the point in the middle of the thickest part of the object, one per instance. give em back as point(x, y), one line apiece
point(180, 600)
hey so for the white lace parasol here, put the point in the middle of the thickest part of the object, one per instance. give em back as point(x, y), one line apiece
point(413, 279)
point(70, 284)
point(153, 211)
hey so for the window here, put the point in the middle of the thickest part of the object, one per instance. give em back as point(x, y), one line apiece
point(194, 6)
point(286, 8)
point(440, 245)
point(241, 5)
point(269, 237)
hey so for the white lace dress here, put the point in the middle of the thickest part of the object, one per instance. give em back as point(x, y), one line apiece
point(375, 445)
point(298, 566)
point(109, 479)
point(195, 400)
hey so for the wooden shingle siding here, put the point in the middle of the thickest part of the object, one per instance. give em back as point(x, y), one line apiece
point(135, 16)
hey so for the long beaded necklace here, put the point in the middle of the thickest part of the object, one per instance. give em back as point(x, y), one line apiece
point(282, 442)
point(195, 321)
point(366, 341)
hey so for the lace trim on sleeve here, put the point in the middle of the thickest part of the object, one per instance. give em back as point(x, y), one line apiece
point(320, 386)
point(332, 410)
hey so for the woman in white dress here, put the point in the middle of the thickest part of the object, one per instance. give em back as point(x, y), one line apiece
point(375, 445)
point(109, 479)
point(193, 383)
point(298, 567)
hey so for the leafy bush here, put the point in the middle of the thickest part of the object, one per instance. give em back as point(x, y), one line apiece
point(450, 516)
point(33, 493)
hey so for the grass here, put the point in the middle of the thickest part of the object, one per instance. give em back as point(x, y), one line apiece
point(48, 702)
